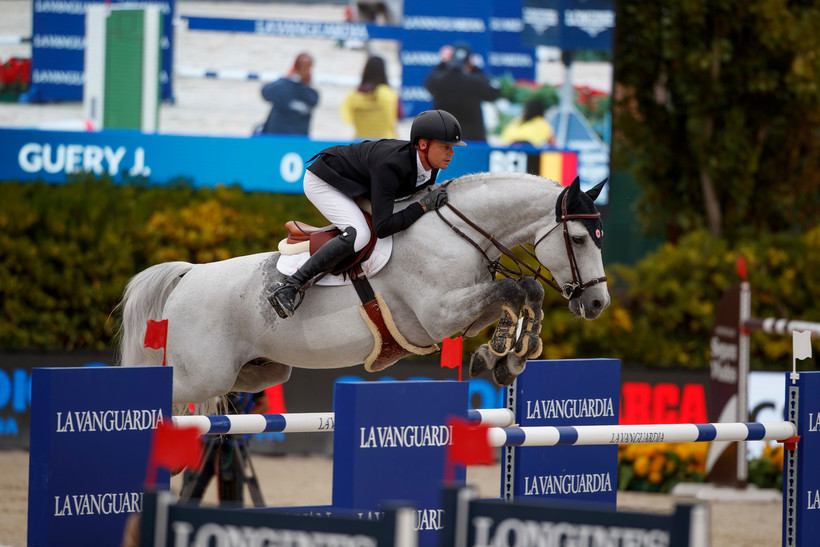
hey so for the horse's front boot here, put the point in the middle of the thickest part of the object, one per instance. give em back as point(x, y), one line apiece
point(504, 336)
point(289, 293)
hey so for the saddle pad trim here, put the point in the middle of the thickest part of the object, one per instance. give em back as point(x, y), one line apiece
point(390, 345)
point(293, 248)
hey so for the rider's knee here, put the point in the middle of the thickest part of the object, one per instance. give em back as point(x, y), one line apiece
point(358, 235)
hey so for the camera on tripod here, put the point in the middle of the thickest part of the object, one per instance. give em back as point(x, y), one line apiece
point(227, 458)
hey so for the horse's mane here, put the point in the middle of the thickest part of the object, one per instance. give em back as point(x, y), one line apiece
point(505, 177)
point(492, 178)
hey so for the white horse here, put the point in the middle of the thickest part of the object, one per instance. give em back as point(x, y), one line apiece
point(223, 335)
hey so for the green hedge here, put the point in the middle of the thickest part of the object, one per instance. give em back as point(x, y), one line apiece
point(67, 252)
point(663, 308)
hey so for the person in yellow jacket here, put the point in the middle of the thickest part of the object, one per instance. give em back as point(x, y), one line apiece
point(531, 127)
point(373, 108)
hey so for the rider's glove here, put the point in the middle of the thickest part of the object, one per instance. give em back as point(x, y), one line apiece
point(434, 199)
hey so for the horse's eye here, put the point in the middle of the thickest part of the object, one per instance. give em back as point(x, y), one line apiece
point(578, 240)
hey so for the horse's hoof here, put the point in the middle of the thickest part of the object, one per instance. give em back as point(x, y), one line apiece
point(481, 361)
point(501, 374)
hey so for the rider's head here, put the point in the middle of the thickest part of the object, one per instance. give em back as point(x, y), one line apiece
point(434, 134)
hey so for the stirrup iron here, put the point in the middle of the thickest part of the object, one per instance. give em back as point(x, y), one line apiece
point(281, 311)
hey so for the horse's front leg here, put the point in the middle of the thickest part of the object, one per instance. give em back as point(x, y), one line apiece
point(471, 309)
point(528, 345)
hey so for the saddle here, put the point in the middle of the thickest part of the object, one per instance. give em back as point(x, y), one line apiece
point(304, 237)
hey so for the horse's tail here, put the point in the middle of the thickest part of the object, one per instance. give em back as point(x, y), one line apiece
point(144, 299)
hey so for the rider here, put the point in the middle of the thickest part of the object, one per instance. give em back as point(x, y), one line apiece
point(381, 171)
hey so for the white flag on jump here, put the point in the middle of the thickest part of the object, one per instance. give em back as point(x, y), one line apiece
point(801, 344)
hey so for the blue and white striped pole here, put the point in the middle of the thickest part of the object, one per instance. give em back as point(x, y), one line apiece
point(636, 434)
point(242, 424)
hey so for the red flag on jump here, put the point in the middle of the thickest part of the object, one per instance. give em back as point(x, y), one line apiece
point(173, 448)
point(469, 445)
point(451, 353)
point(156, 336)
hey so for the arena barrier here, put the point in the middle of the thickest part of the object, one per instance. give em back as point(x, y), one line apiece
point(467, 522)
point(390, 442)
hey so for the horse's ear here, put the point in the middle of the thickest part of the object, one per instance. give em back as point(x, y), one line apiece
point(595, 190)
point(574, 190)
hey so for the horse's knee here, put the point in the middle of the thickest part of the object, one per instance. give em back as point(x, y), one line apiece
point(533, 289)
point(511, 292)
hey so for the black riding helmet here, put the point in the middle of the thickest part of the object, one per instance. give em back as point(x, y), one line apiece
point(437, 125)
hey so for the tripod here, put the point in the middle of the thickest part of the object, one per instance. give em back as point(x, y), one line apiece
point(231, 476)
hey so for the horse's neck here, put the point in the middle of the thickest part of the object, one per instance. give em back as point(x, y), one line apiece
point(508, 206)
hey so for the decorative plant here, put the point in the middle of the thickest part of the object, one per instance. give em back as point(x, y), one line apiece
point(15, 78)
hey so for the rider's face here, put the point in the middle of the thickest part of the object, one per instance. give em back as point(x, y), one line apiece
point(439, 154)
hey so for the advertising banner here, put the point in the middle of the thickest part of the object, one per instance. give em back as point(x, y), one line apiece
point(559, 393)
point(801, 475)
point(91, 435)
point(383, 427)
point(268, 163)
point(58, 48)
point(569, 24)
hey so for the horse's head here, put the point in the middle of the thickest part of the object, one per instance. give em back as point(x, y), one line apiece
point(571, 251)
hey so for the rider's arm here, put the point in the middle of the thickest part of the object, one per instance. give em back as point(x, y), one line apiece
point(383, 195)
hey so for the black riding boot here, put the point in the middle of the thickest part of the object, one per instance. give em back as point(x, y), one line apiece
point(289, 293)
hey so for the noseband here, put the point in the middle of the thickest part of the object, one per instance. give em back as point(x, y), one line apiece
point(567, 290)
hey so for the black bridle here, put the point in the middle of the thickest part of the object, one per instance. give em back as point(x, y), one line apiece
point(570, 290)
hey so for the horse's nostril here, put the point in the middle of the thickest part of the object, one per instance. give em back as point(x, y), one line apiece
point(597, 305)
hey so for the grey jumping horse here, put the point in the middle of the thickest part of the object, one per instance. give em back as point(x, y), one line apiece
point(223, 335)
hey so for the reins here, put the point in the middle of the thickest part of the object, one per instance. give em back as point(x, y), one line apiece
point(568, 290)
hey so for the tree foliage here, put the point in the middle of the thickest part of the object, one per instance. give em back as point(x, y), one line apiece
point(718, 111)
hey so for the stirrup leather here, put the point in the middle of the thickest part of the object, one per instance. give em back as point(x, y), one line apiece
point(281, 311)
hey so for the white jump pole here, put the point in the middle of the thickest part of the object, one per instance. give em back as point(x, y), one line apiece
point(637, 434)
point(243, 424)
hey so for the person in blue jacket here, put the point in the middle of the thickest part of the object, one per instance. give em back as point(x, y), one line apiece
point(381, 171)
point(293, 99)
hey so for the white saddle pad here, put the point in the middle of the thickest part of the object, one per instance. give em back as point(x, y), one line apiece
point(289, 263)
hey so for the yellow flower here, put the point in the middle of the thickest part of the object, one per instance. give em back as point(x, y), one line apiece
point(641, 466)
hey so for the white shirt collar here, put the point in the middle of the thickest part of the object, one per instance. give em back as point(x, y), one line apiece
point(423, 174)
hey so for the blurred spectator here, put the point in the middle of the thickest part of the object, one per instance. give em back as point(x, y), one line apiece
point(373, 108)
point(373, 11)
point(531, 127)
point(293, 100)
point(459, 87)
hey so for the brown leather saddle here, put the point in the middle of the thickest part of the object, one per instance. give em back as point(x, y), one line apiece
point(300, 232)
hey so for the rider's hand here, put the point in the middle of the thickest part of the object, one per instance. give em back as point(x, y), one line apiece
point(434, 199)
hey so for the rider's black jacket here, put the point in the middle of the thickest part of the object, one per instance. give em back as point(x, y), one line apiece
point(381, 171)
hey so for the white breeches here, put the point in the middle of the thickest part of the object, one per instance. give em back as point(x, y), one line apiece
point(338, 208)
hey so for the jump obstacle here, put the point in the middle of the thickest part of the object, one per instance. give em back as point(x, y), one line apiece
point(503, 434)
point(306, 422)
point(365, 420)
point(730, 367)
